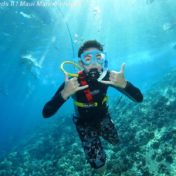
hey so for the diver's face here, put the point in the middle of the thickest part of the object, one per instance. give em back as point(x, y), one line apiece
point(91, 59)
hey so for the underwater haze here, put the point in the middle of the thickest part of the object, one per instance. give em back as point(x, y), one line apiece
point(37, 36)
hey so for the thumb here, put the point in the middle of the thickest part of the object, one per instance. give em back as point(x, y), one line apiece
point(82, 87)
point(105, 82)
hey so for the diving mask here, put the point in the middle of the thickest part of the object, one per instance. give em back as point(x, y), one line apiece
point(90, 57)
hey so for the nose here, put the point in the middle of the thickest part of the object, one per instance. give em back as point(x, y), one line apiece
point(94, 65)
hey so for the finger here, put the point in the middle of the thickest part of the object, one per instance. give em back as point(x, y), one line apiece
point(112, 76)
point(122, 68)
point(76, 85)
point(82, 87)
point(66, 77)
point(113, 73)
point(75, 81)
point(106, 82)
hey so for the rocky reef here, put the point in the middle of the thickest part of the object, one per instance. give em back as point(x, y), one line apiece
point(147, 144)
point(148, 132)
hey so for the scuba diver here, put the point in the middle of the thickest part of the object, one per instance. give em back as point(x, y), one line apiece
point(88, 90)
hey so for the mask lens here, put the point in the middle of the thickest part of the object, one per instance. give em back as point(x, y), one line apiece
point(100, 57)
point(92, 56)
point(87, 58)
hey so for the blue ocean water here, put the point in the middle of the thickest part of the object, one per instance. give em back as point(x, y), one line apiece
point(37, 36)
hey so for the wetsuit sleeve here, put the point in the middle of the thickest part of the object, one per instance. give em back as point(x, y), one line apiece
point(132, 92)
point(54, 104)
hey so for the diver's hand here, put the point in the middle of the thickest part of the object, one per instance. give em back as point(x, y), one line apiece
point(71, 87)
point(117, 78)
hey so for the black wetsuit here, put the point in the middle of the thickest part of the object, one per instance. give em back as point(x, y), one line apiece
point(93, 122)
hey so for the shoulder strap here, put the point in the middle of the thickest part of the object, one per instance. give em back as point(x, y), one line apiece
point(83, 82)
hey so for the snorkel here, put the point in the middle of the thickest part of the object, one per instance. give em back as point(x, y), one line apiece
point(72, 63)
point(105, 70)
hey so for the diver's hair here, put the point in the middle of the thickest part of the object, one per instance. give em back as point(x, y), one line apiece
point(90, 44)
